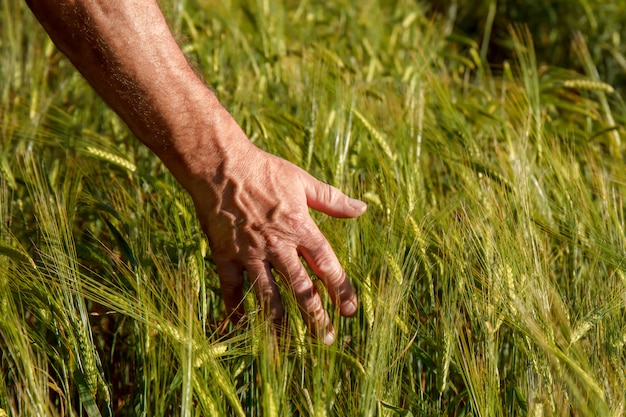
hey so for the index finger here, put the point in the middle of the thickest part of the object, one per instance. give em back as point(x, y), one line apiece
point(321, 258)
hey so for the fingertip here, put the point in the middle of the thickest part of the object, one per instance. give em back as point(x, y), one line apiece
point(329, 338)
point(358, 206)
point(332, 201)
point(235, 314)
point(235, 310)
point(348, 307)
point(234, 306)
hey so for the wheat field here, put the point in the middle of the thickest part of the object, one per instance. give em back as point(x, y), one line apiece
point(490, 266)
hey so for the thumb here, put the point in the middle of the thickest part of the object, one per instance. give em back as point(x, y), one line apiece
point(328, 199)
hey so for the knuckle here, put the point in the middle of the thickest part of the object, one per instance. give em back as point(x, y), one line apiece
point(326, 265)
point(290, 268)
point(295, 218)
point(304, 289)
point(327, 192)
point(283, 235)
point(330, 270)
point(314, 242)
point(266, 296)
point(274, 242)
point(271, 298)
point(316, 318)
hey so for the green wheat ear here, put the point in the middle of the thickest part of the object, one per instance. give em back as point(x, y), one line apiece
point(489, 265)
point(17, 254)
point(589, 85)
point(109, 157)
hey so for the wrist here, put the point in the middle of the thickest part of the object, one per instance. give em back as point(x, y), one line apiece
point(200, 139)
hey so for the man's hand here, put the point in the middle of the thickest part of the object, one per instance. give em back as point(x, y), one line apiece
point(253, 206)
point(255, 213)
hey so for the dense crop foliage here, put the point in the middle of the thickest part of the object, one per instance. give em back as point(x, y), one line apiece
point(490, 265)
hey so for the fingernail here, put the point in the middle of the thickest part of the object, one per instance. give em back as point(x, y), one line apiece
point(358, 205)
point(329, 338)
point(348, 308)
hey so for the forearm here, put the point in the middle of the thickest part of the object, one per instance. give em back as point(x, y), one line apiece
point(125, 50)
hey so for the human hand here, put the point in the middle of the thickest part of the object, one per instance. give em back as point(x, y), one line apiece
point(255, 214)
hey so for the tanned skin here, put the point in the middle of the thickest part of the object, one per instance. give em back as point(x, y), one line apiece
point(253, 206)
